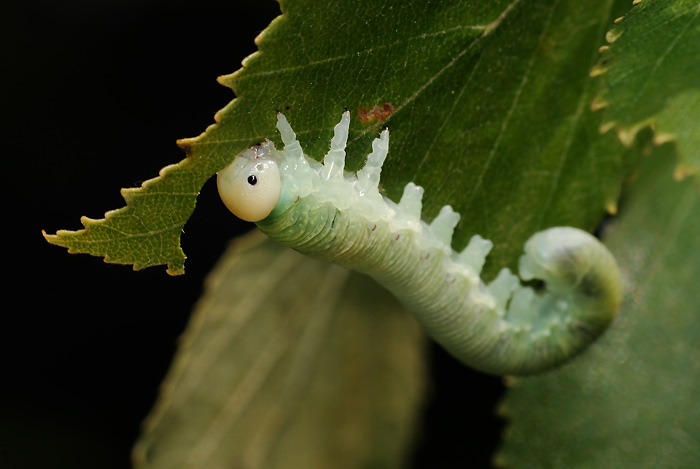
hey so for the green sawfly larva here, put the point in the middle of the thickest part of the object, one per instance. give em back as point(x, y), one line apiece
point(501, 328)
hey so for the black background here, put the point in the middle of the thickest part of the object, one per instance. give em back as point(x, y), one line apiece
point(94, 96)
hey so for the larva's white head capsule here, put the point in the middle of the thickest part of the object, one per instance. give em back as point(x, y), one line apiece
point(250, 186)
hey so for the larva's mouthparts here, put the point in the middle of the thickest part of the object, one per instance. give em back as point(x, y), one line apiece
point(500, 328)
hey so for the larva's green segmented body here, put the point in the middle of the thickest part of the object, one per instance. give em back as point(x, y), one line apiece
point(501, 328)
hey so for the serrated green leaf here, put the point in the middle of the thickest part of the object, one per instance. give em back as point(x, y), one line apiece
point(491, 115)
point(274, 374)
point(651, 75)
point(633, 400)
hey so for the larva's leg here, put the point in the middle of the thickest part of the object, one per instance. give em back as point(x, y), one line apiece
point(340, 132)
point(411, 201)
point(334, 161)
point(407, 214)
point(443, 226)
point(474, 255)
point(286, 132)
point(502, 288)
point(368, 177)
point(293, 152)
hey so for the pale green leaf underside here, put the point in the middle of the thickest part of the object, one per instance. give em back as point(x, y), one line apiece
point(276, 374)
point(491, 105)
point(633, 400)
point(651, 75)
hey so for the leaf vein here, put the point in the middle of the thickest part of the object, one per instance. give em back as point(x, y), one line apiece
point(509, 114)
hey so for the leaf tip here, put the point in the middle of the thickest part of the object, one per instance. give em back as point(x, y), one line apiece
point(661, 137)
point(605, 127)
point(598, 103)
point(175, 269)
point(628, 135)
point(612, 36)
point(50, 238)
point(611, 207)
point(185, 144)
point(597, 71)
point(683, 171)
point(229, 79)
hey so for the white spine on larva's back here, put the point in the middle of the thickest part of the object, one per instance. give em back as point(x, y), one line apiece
point(501, 328)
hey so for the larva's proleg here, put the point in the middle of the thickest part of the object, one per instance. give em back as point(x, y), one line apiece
point(501, 328)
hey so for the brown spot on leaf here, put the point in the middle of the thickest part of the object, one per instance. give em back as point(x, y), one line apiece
point(386, 110)
point(364, 115)
point(376, 113)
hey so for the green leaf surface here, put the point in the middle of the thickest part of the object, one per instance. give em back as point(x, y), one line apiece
point(276, 374)
point(491, 115)
point(651, 75)
point(633, 400)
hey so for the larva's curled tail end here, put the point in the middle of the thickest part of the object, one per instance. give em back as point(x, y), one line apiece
point(578, 271)
point(582, 294)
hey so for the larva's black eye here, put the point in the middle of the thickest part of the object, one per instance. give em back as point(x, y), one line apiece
point(252, 180)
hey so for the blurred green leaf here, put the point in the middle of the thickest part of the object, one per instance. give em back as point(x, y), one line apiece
point(651, 75)
point(633, 400)
point(276, 374)
point(491, 115)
